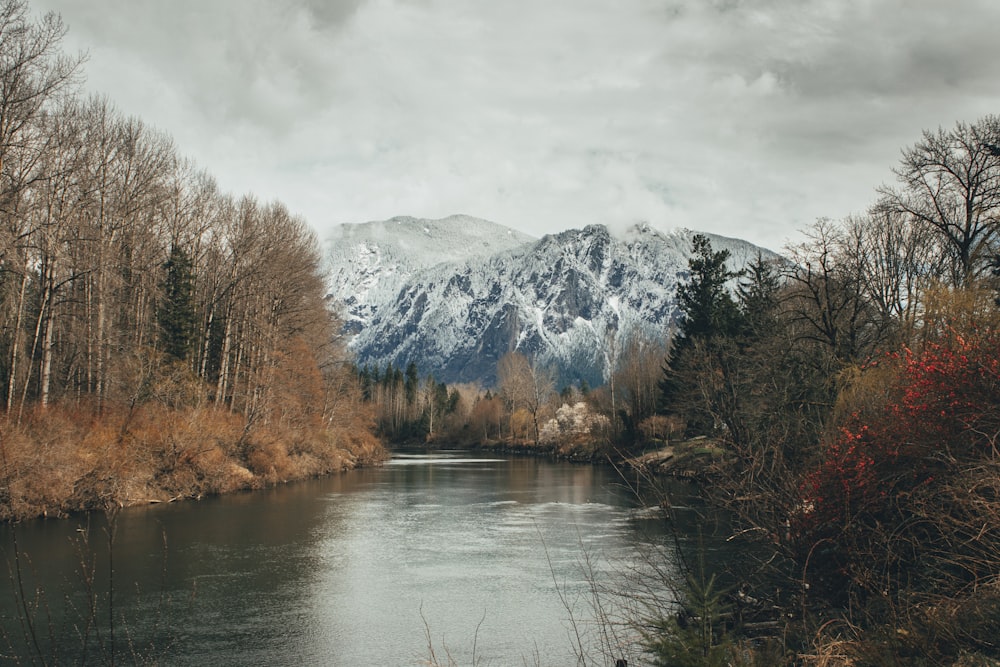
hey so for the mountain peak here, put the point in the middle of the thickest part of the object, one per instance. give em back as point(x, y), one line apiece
point(421, 242)
point(454, 295)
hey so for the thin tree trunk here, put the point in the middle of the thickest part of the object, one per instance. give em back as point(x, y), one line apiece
point(48, 326)
point(16, 343)
point(35, 341)
point(206, 345)
point(227, 336)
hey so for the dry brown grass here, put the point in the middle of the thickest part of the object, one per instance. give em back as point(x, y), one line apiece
point(65, 458)
point(833, 653)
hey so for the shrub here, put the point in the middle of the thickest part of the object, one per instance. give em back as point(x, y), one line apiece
point(903, 510)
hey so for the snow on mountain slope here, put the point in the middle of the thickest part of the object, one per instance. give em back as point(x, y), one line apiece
point(455, 304)
point(369, 262)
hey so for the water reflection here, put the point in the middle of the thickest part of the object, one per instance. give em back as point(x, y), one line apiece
point(355, 569)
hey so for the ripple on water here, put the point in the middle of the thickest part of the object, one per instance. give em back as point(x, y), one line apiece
point(357, 569)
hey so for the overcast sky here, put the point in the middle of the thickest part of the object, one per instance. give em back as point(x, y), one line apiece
point(748, 118)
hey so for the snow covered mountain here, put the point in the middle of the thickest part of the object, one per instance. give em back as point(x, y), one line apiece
point(369, 262)
point(455, 295)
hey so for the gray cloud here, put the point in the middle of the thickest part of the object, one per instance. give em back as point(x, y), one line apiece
point(744, 118)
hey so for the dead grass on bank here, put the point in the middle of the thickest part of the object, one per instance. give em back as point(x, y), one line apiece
point(833, 652)
point(66, 458)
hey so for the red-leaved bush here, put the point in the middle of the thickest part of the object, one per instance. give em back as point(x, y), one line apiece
point(907, 494)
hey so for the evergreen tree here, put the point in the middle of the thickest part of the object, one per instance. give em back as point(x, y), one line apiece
point(454, 398)
point(441, 399)
point(177, 315)
point(365, 379)
point(411, 383)
point(758, 297)
point(707, 307)
point(710, 319)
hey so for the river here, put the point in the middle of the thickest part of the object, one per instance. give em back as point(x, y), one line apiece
point(480, 558)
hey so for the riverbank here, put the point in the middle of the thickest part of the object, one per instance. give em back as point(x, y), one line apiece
point(348, 569)
point(690, 459)
point(60, 460)
point(576, 453)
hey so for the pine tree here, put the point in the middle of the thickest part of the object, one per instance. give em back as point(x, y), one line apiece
point(710, 319)
point(707, 307)
point(696, 636)
point(411, 384)
point(365, 380)
point(177, 315)
point(758, 297)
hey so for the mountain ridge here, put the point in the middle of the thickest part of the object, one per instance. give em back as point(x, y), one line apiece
point(566, 300)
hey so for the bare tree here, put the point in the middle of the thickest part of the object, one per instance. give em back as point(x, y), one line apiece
point(61, 199)
point(950, 182)
point(825, 301)
point(638, 376)
point(33, 74)
point(525, 385)
point(895, 263)
point(513, 383)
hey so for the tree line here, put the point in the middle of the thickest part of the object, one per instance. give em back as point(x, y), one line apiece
point(855, 391)
point(128, 279)
point(408, 408)
point(526, 408)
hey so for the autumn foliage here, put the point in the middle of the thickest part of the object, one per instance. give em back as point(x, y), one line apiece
point(159, 338)
point(902, 511)
point(176, 443)
point(64, 458)
point(855, 389)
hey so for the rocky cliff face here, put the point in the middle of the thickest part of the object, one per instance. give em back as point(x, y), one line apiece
point(455, 295)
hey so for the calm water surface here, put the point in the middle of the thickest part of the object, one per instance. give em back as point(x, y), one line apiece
point(355, 569)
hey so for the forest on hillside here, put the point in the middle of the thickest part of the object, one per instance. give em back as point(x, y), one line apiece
point(158, 338)
point(843, 403)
